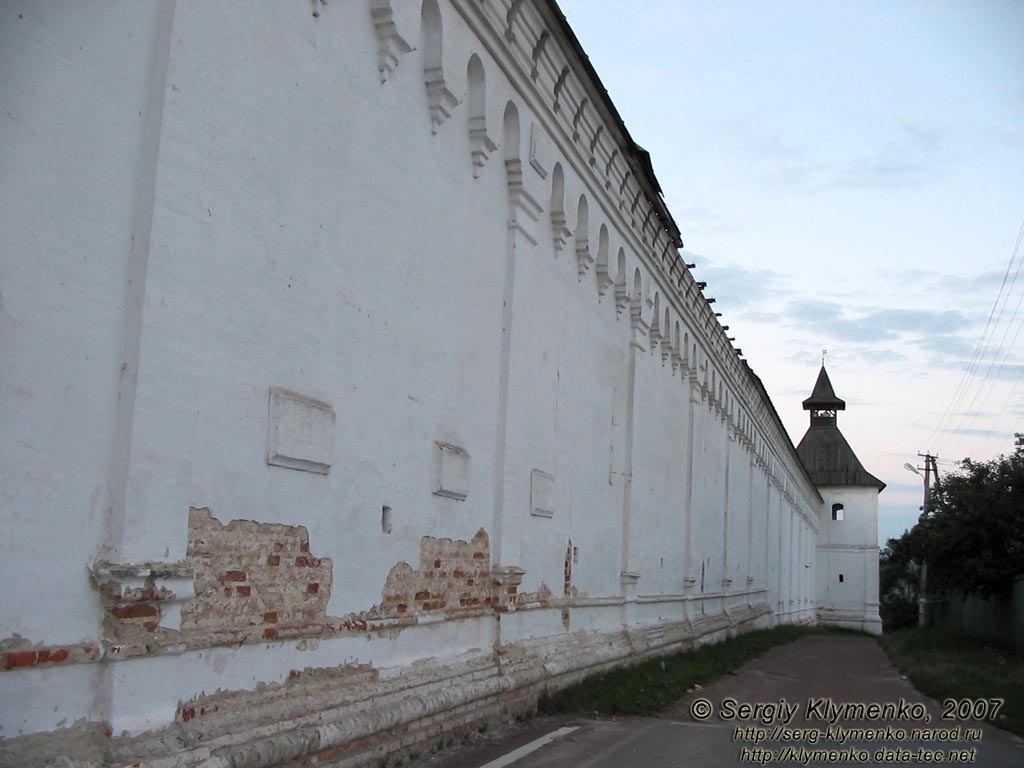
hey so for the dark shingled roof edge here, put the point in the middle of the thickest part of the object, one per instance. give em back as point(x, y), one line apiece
point(830, 460)
point(644, 170)
point(775, 417)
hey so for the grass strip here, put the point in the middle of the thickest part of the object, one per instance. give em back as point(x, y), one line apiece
point(944, 665)
point(656, 684)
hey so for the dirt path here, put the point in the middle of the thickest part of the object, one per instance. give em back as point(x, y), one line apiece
point(799, 704)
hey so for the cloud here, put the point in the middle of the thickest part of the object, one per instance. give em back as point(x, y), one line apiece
point(867, 333)
point(701, 220)
point(755, 316)
point(945, 347)
point(739, 286)
point(982, 370)
point(870, 354)
point(836, 321)
point(982, 284)
point(903, 154)
point(961, 432)
point(905, 158)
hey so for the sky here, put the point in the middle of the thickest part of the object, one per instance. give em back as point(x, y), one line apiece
point(849, 177)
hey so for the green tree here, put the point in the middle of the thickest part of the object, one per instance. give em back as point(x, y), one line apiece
point(898, 583)
point(972, 534)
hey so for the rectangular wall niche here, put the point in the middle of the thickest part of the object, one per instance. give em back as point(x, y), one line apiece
point(300, 433)
point(451, 471)
point(542, 494)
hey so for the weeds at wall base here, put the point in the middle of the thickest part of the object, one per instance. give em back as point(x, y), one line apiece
point(945, 665)
point(658, 683)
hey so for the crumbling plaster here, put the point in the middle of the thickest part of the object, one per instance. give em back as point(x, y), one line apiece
point(300, 207)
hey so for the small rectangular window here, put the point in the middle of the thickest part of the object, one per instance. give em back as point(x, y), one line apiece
point(840, 578)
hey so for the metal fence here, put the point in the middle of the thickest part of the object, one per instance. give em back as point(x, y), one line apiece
point(999, 618)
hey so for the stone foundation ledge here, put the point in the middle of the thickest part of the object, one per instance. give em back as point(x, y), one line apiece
point(351, 717)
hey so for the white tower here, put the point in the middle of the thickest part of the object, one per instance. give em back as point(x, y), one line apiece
point(847, 563)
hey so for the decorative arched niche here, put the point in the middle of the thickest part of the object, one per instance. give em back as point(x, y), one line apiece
point(480, 143)
point(666, 337)
point(604, 278)
point(559, 232)
point(582, 236)
point(636, 300)
point(390, 44)
point(677, 349)
point(441, 100)
point(621, 294)
point(654, 332)
point(524, 210)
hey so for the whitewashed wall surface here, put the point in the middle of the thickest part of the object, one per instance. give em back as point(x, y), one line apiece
point(353, 390)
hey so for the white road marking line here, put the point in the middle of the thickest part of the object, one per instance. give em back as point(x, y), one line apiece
point(696, 725)
point(526, 749)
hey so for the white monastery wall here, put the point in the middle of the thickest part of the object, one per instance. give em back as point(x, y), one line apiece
point(424, 337)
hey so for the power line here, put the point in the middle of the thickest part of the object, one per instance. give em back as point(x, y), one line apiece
point(988, 378)
point(980, 351)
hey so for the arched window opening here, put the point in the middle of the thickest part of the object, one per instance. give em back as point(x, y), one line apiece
point(837, 512)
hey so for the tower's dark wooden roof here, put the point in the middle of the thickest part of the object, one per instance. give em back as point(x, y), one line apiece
point(823, 397)
point(824, 452)
point(830, 460)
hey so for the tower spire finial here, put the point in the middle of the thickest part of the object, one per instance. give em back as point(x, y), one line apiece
point(823, 353)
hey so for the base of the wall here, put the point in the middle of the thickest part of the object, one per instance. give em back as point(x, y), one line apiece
point(349, 718)
point(850, 620)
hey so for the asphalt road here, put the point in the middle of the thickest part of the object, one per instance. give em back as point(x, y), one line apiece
point(801, 688)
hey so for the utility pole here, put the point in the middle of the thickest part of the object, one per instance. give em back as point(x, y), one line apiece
point(929, 467)
point(922, 600)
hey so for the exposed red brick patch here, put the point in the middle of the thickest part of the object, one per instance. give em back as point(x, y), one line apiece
point(19, 658)
point(15, 659)
point(284, 584)
point(134, 611)
point(452, 576)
